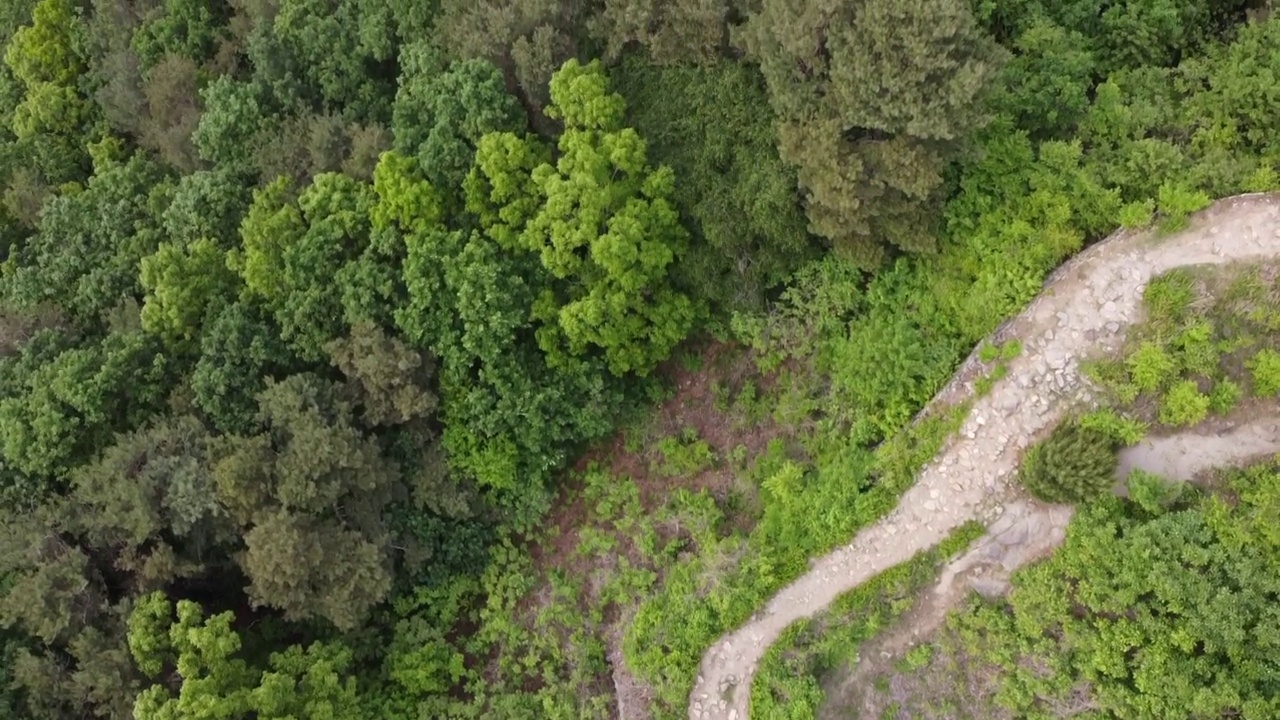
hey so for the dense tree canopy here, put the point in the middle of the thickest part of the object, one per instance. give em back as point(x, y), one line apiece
point(307, 307)
point(870, 113)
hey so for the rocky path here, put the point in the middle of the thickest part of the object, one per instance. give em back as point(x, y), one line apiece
point(1085, 308)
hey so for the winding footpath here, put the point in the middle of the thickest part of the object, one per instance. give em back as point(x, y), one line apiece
point(1085, 308)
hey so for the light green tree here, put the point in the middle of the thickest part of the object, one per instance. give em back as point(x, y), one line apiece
point(608, 231)
point(182, 285)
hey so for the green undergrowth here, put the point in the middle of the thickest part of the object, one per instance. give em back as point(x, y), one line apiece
point(810, 502)
point(1210, 339)
point(1157, 607)
point(789, 679)
point(518, 642)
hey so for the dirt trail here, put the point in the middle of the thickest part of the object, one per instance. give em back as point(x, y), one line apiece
point(1027, 531)
point(1085, 308)
point(1186, 455)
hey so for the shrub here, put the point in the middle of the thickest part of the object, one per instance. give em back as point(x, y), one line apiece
point(1184, 405)
point(1153, 493)
point(1168, 297)
point(1151, 366)
point(1137, 215)
point(1224, 396)
point(1265, 370)
point(1074, 464)
point(1196, 348)
point(1123, 430)
point(1176, 202)
point(683, 457)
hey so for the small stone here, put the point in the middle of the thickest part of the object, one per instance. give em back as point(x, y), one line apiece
point(733, 715)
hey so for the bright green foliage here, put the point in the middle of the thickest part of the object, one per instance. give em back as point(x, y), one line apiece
point(60, 408)
point(1196, 348)
point(218, 684)
point(1184, 405)
point(1074, 464)
point(1153, 493)
point(872, 98)
point(1163, 609)
point(1167, 299)
point(1151, 367)
point(1122, 430)
point(1224, 396)
point(501, 190)
point(405, 199)
point(47, 50)
point(294, 250)
point(183, 285)
point(607, 228)
point(149, 633)
point(1175, 203)
point(1264, 369)
point(1136, 215)
point(683, 456)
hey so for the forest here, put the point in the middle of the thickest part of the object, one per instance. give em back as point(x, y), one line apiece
point(340, 340)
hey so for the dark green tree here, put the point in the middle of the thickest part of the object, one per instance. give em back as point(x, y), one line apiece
point(1074, 464)
point(872, 98)
point(440, 113)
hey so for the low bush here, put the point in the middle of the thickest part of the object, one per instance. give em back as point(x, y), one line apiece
point(1224, 396)
point(684, 456)
point(1074, 464)
point(1264, 368)
point(1184, 405)
point(1168, 298)
point(1151, 366)
point(1123, 430)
